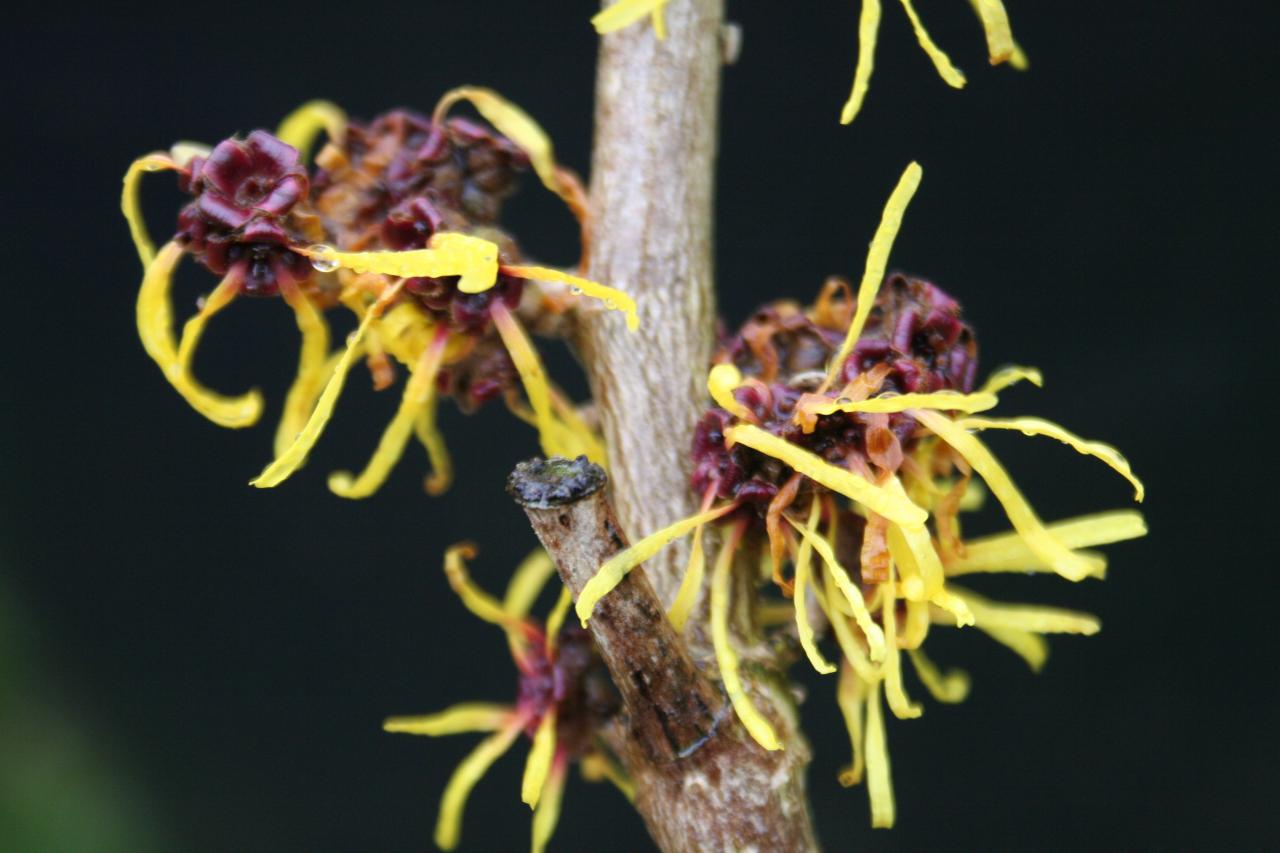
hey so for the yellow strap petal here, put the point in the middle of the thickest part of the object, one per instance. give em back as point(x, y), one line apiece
point(424, 427)
point(851, 693)
point(624, 13)
point(614, 300)
point(1070, 565)
point(155, 330)
point(547, 814)
point(1028, 617)
point(877, 260)
point(518, 126)
point(721, 383)
point(951, 686)
point(1029, 646)
point(995, 22)
point(903, 708)
point(587, 442)
point(1008, 552)
point(529, 366)
point(475, 599)
point(464, 778)
point(1039, 426)
point(314, 367)
point(418, 392)
point(727, 657)
point(300, 127)
point(659, 21)
point(895, 507)
point(868, 29)
point(616, 568)
point(948, 72)
point(879, 779)
point(555, 619)
point(466, 717)
point(944, 400)
point(448, 253)
point(597, 766)
point(916, 625)
point(538, 764)
point(527, 582)
point(690, 584)
point(853, 595)
point(1006, 376)
point(1018, 59)
point(289, 461)
point(131, 207)
point(803, 564)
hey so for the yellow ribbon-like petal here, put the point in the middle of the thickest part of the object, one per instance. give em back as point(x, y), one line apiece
point(853, 595)
point(951, 686)
point(877, 260)
point(132, 208)
point(995, 23)
point(727, 657)
point(473, 259)
point(1070, 565)
point(614, 300)
point(613, 570)
point(1028, 617)
point(903, 708)
point(624, 13)
point(803, 564)
point(690, 584)
point(1029, 646)
point(721, 383)
point(1006, 376)
point(1039, 426)
point(475, 599)
point(851, 692)
point(868, 30)
point(314, 367)
point(464, 778)
point(532, 376)
point(895, 507)
point(879, 779)
point(1009, 552)
point(300, 127)
point(527, 582)
point(424, 427)
point(538, 764)
point(466, 717)
point(948, 72)
point(555, 619)
point(547, 814)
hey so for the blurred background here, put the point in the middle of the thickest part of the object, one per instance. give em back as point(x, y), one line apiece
point(187, 663)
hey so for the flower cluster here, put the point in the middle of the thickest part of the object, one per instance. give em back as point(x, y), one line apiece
point(399, 222)
point(564, 695)
point(841, 448)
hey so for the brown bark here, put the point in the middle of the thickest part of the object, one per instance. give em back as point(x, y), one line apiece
point(701, 782)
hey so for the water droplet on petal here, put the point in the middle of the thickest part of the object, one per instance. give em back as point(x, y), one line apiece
point(843, 401)
point(321, 258)
point(575, 290)
point(151, 167)
point(611, 304)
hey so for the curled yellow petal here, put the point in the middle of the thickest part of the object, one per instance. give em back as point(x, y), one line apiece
point(721, 382)
point(1009, 552)
point(1006, 376)
point(690, 584)
point(727, 657)
point(915, 626)
point(948, 72)
point(895, 507)
point(586, 442)
point(995, 23)
point(803, 565)
point(131, 207)
point(555, 619)
point(1069, 564)
point(418, 392)
point(448, 253)
point(532, 376)
point(1028, 617)
point(597, 766)
point(518, 126)
point(1028, 645)
point(624, 13)
point(879, 779)
point(475, 599)
point(851, 695)
point(853, 595)
point(155, 330)
point(944, 400)
point(424, 427)
point(464, 778)
point(613, 570)
point(466, 717)
point(614, 300)
point(868, 29)
point(538, 764)
point(903, 708)
point(877, 260)
point(951, 686)
point(289, 461)
point(547, 814)
point(1039, 426)
point(314, 367)
point(301, 126)
point(527, 582)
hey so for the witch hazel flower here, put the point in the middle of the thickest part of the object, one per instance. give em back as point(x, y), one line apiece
point(838, 455)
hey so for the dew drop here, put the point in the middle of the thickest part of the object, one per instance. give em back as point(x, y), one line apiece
point(843, 401)
point(611, 304)
point(575, 290)
point(152, 167)
point(321, 258)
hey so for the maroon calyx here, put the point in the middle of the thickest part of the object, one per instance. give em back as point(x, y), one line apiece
point(575, 683)
point(242, 219)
